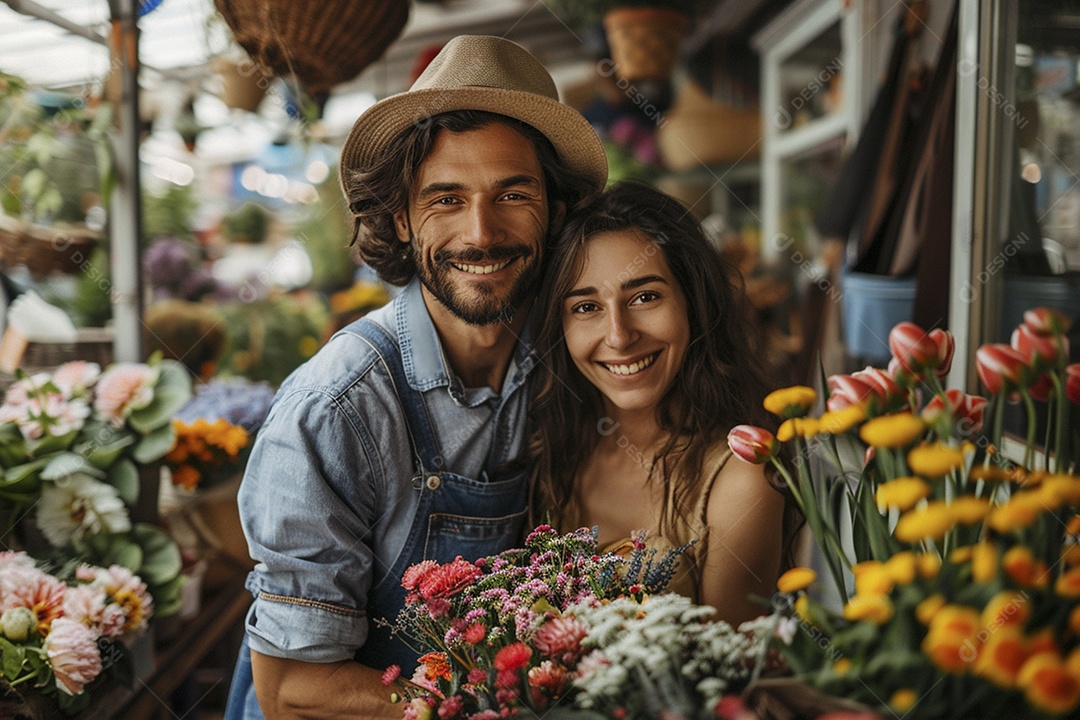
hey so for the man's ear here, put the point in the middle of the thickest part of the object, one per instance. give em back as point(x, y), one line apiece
point(401, 225)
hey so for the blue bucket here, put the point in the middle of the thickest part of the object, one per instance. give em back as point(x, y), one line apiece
point(873, 305)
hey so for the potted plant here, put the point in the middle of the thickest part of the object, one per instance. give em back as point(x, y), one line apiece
point(59, 174)
point(644, 35)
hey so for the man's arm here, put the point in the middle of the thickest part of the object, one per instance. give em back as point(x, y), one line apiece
point(298, 690)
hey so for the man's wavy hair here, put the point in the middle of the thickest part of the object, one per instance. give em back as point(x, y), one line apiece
point(720, 383)
point(377, 193)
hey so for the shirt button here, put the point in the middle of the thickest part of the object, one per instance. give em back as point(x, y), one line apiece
point(433, 482)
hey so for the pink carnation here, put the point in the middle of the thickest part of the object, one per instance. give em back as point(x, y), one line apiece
point(477, 675)
point(561, 638)
point(73, 653)
point(412, 576)
point(123, 388)
point(391, 674)
point(450, 707)
point(449, 579)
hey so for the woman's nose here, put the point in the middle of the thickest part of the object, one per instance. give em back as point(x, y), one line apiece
point(621, 333)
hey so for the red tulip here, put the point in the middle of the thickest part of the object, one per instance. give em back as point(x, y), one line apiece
point(999, 366)
point(1040, 387)
point(1072, 383)
point(752, 444)
point(847, 390)
point(945, 348)
point(887, 388)
point(1039, 350)
point(1045, 321)
point(966, 410)
point(912, 347)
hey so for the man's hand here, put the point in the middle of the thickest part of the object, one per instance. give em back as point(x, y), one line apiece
point(298, 690)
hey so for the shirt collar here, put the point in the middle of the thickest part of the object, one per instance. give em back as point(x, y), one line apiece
point(426, 366)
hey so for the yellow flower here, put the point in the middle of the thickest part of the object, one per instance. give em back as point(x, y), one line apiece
point(984, 562)
point(790, 402)
point(902, 493)
point(961, 555)
point(872, 579)
point(1074, 620)
point(935, 460)
point(1023, 568)
point(951, 653)
point(797, 427)
point(837, 422)
point(796, 579)
point(1068, 583)
point(1007, 608)
point(308, 346)
point(1070, 554)
point(893, 431)
point(1072, 662)
point(928, 608)
point(1002, 656)
point(929, 564)
point(968, 510)
point(802, 608)
point(901, 567)
point(1048, 685)
point(955, 620)
point(993, 473)
point(903, 700)
point(1061, 490)
point(1019, 512)
point(931, 521)
point(878, 609)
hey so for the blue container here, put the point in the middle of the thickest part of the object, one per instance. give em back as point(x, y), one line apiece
point(873, 305)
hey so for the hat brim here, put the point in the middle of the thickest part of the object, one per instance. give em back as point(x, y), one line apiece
point(570, 133)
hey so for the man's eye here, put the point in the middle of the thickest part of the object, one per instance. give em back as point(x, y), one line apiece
point(446, 201)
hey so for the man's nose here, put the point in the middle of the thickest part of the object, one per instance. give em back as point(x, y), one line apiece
point(482, 225)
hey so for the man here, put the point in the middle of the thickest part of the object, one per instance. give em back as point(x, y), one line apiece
point(403, 439)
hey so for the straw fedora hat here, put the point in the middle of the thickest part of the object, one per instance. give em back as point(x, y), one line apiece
point(480, 72)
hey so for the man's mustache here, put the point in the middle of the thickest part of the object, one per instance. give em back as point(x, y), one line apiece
point(476, 256)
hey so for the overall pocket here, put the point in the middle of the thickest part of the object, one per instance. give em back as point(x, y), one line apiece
point(450, 535)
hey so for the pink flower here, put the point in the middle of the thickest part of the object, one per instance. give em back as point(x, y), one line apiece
point(475, 633)
point(450, 707)
point(1046, 321)
point(123, 388)
point(945, 348)
point(447, 580)
point(391, 674)
point(15, 558)
point(75, 378)
point(477, 676)
point(913, 348)
point(85, 604)
point(752, 444)
point(966, 410)
point(1000, 367)
point(412, 576)
point(31, 588)
point(73, 653)
point(1039, 350)
point(848, 390)
point(561, 638)
point(485, 715)
point(548, 677)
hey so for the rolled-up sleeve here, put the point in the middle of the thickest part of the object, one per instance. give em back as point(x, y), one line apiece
point(307, 504)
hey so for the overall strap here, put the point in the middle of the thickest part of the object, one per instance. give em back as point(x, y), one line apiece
point(412, 402)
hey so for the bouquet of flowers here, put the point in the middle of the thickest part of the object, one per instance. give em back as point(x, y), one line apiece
point(957, 568)
point(71, 445)
point(556, 624)
point(57, 637)
point(206, 451)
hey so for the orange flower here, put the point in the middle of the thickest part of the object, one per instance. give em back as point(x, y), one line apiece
point(1008, 608)
point(957, 620)
point(1023, 568)
point(951, 653)
point(1048, 685)
point(1002, 656)
point(1068, 583)
point(903, 700)
point(1043, 642)
point(926, 610)
point(968, 510)
point(435, 666)
point(930, 521)
point(186, 477)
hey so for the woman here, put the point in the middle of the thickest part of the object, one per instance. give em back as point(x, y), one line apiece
point(649, 363)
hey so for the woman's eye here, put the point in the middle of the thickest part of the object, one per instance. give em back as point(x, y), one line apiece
point(645, 297)
point(583, 308)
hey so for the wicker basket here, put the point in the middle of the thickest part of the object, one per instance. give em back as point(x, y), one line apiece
point(45, 250)
point(322, 44)
point(699, 130)
point(645, 41)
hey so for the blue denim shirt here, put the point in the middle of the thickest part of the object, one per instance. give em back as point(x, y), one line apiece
point(327, 500)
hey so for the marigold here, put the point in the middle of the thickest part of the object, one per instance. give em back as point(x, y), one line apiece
point(1008, 608)
point(435, 666)
point(1068, 583)
point(512, 657)
point(1048, 685)
point(874, 580)
point(950, 653)
point(790, 402)
point(1023, 568)
point(841, 666)
point(802, 608)
point(186, 477)
point(931, 521)
point(928, 608)
point(1002, 656)
point(796, 579)
point(968, 510)
point(893, 431)
point(902, 493)
point(903, 700)
point(955, 620)
point(1043, 642)
point(878, 609)
point(929, 565)
point(935, 460)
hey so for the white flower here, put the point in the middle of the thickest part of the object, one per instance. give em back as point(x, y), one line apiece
point(74, 655)
point(75, 378)
point(78, 508)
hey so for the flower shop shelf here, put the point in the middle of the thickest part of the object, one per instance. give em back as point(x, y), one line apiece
point(174, 662)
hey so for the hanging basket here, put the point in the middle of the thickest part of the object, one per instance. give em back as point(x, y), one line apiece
point(699, 130)
point(243, 81)
point(321, 44)
point(645, 41)
point(45, 250)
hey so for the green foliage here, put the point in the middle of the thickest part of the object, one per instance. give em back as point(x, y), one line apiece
point(250, 223)
point(170, 213)
point(325, 232)
point(268, 339)
point(92, 304)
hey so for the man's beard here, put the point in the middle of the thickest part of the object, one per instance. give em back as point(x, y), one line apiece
point(480, 306)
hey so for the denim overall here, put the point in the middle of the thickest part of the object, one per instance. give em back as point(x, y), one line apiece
point(456, 516)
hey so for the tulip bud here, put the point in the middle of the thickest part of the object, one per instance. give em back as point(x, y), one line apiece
point(1072, 383)
point(752, 444)
point(1039, 350)
point(16, 623)
point(847, 390)
point(1045, 321)
point(943, 339)
point(913, 348)
point(999, 366)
